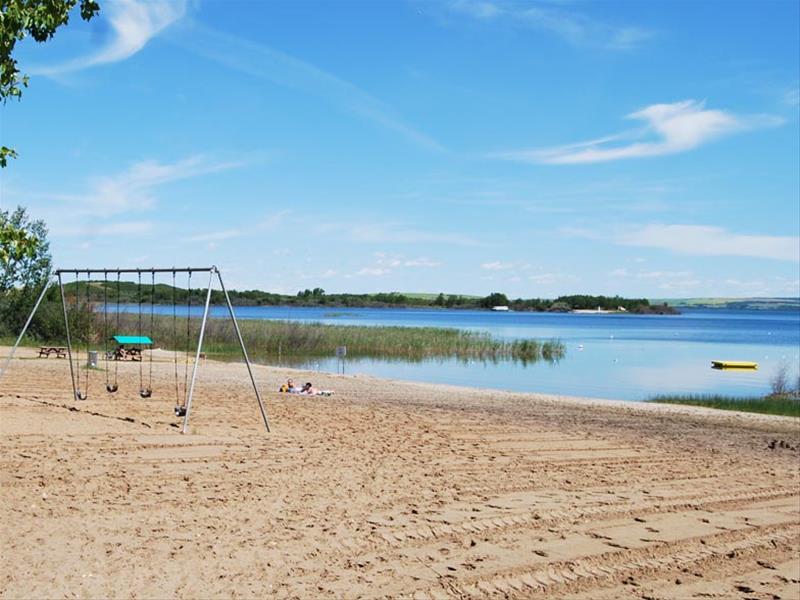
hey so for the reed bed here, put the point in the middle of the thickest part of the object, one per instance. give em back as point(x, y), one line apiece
point(278, 341)
point(770, 405)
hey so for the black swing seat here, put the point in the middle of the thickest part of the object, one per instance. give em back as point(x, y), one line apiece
point(110, 387)
point(180, 411)
point(145, 393)
point(81, 396)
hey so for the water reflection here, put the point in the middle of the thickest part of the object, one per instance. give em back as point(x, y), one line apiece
point(614, 369)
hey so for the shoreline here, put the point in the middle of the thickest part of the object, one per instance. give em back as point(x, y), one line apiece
point(28, 353)
point(543, 398)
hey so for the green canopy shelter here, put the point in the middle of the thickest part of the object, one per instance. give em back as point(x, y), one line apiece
point(133, 339)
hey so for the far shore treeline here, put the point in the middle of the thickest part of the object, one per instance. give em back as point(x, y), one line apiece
point(132, 293)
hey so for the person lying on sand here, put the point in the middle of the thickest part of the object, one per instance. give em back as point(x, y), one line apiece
point(310, 390)
point(290, 387)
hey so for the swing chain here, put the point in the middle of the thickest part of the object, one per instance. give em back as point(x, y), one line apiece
point(180, 407)
point(116, 358)
point(188, 338)
point(108, 354)
point(146, 392)
point(85, 394)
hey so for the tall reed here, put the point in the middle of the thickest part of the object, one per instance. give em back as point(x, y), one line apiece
point(273, 341)
point(769, 405)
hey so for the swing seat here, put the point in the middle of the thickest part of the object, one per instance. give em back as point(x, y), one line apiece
point(180, 411)
point(111, 387)
point(145, 393)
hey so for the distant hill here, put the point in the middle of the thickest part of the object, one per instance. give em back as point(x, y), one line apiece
point(423, 296)
point(127, 292)
point(733, 303)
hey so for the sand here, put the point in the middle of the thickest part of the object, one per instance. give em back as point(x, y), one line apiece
point(386, 489)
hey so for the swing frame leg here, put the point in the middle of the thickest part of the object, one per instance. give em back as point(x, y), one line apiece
point(47, 284)
point(197, 354)
point(215, 271)
point(244, 353)
point(69, 339)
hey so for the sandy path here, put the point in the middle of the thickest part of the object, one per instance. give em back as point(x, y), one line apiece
point(386, 489)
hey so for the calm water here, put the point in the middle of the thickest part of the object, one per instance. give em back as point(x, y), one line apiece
point(608, 356)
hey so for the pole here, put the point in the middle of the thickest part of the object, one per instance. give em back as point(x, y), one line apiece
point(135, 271)
point(28, 322)
point(244, 352)
point(197, 355)
point(69, 341)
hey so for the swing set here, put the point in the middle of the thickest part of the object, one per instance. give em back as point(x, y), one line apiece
point(132, 346)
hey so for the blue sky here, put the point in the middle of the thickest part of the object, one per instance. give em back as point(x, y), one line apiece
point(533, 148)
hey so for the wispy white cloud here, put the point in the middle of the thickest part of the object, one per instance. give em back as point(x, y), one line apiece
point(268, 223)
point(108, 197)
point(549, 278)
point(642, 274)
point(681, 286)
point(497, 266)
point(695, 240)
point(768, 286)
point(677, 127)
point(133, 189)
point(392, 232)
point(423, 263)
point(118, 228)
point(215, 236)
point(263, 62)
point(701, 240)
point(574, 27)
point(388, 263)
point(792, 97)
point(373, 271)
point(133, 25)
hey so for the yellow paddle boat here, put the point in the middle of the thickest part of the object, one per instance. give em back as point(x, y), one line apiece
point(733, 364)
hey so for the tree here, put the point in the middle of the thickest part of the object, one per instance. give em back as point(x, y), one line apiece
point(494, 299)
point(39, 19)
point(24, 251)
point(25, 264)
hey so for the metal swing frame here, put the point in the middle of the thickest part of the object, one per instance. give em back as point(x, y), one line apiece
point(212, 271)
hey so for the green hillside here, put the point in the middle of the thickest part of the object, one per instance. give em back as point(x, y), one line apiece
point(733, 303)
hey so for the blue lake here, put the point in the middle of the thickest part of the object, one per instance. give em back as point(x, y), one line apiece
point(626, 357)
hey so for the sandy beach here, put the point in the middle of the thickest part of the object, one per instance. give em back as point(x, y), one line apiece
point(386, 489)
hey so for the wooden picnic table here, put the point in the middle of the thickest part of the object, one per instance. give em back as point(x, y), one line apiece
point(123, 353)
point(46, 351)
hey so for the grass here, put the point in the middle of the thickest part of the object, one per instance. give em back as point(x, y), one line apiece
point(279, 341)
point(785, 406)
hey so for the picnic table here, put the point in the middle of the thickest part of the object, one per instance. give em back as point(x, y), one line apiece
point(46, 351)
point(123, 353)
point(128, 347)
